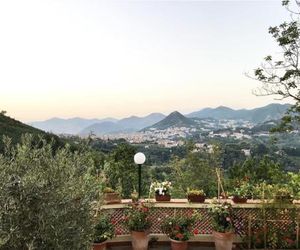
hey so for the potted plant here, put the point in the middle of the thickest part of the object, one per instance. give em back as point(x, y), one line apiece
point(110, 196)
point(135, 196)
point(162, 190)
point(179, 230)
point(242, 193)
point(138, 223)
point(103, 231)
point(283, 195)
point(222, 224)
point(195, 195)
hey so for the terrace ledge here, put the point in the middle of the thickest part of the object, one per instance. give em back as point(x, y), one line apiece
point(183, 203)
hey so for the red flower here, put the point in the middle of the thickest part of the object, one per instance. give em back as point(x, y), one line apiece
point(179, 236)
point(114, 222)
point(196, 231)
point(177, 228)
point(145, 209)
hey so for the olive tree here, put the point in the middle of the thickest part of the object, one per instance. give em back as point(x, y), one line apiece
point(45, 197)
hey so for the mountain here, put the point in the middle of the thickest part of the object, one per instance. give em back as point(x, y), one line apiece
point(258, 115)
point(15, 129)
point(67, 126)
point(175, 119)
point(110, 125)
point(129, 124)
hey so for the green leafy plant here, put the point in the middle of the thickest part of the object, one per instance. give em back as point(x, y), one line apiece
point(263, 191)
point(283, 194)
point(108, 190)
point(196, 192)
point(180, 227)
point(104, 229)
point(244, 190)
point(137, 216)
point(221, 215)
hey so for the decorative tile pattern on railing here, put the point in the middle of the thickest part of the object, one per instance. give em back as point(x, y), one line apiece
point(158, 214)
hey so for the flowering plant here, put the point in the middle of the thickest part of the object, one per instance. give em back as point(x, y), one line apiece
point(103, 230)
point(161, 188)
point(137, 216)
point(221, 214)
point(179, 227)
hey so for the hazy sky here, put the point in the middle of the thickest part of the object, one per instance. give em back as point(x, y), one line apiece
point(117, 58)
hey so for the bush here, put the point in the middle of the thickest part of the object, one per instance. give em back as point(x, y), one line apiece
point(45, 197)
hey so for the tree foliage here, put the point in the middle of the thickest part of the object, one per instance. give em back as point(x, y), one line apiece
point(196, 171)
point(45, 197)
point(280, 76)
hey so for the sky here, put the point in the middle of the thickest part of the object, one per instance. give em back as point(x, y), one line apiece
point(96, 59)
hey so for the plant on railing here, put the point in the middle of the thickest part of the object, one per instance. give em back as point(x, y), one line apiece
point(196, 195)
point(134, 196)
point(137, 216)
point(223, 225)
point(222, 219)
point(283, 195)
point(263, 191)
point(137, 220)
point(195, 192)
point(243, 192)
point(161, 190)
point(180, 226)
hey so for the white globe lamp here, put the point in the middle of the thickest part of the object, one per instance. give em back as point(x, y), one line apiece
point(139, 159)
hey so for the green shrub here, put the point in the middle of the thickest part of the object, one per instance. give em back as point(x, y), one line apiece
point(45, 197)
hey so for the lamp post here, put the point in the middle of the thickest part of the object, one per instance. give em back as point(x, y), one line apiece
point(139, 159)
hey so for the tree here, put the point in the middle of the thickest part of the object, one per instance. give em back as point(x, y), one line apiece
point(281, 76)
point(122, 173)
point(257, 170)
point(45, 197)
point(196, 171)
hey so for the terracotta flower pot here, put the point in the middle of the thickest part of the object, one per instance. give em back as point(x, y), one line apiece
point(111, 198)
point(165, 197)
point(179, 245)
point(223, 241)
point(196, 198)
point(238, 199)
point(99, 246)
point(139, 240)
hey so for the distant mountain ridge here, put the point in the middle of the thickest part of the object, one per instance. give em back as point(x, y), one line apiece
point(131, 124)
point(272, 111)
point(67, 126)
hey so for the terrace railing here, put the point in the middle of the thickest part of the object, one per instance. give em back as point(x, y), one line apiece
point(250, 218)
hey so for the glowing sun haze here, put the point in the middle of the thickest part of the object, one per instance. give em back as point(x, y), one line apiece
point(96, 59)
